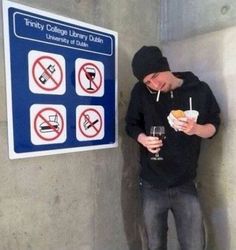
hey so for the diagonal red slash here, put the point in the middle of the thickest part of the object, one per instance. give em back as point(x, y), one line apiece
point(50, 125)
point(90, 78)
point(91, 124)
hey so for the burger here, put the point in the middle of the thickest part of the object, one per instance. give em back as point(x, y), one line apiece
point(178, 113)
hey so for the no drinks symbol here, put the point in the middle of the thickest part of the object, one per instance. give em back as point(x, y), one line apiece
point(90, 78)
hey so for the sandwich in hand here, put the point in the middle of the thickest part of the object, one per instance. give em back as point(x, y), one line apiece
point(178, 113)
point(174, 116)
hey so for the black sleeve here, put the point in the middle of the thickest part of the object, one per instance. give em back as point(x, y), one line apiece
point(213, 110)
point(134, 117)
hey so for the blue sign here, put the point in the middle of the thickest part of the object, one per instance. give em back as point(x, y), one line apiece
point(61, 79)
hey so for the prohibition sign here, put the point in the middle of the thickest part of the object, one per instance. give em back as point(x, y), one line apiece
point(91, 125)
point(47, 72)
point(96, 86)
point(56, 132)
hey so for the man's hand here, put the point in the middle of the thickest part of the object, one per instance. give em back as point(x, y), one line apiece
point(190, 127)
point(186, 125)
point(153, 144)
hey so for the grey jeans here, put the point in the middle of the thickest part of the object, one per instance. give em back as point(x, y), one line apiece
point(183, 202)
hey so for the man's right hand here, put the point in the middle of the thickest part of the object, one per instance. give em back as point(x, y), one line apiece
point(153, 144)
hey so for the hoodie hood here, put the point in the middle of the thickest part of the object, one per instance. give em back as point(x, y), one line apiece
point(190, 80)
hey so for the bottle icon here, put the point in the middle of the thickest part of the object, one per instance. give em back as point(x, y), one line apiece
point(46, 74)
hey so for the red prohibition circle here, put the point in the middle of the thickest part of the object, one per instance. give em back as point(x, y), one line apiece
point(79, 122)
point(58, 133)
point(36, 80)
point(81, 85)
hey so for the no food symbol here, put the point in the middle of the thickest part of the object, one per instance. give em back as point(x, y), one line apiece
point(48, 124)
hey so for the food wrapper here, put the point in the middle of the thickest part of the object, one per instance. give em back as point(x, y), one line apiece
point(172, 120)
point(193, 114)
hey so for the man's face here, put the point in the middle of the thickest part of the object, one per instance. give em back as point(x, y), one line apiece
point(158, 81)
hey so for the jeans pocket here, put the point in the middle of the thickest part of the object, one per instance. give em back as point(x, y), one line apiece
point(189, 188)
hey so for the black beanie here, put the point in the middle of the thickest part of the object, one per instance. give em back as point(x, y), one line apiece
point(147, 60)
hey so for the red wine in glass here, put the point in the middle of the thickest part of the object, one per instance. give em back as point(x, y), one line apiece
point(90, 74)
point(157, 131)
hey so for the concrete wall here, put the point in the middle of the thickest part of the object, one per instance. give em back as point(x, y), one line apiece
point(89, 200)
point(212, 58)
point(85, 200)
point(202, 39)
point(181, 19)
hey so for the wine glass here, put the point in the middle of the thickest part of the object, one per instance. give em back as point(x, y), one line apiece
point(90, 75)
point(157, 131)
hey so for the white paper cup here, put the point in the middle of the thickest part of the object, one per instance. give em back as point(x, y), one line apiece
point(193, 114)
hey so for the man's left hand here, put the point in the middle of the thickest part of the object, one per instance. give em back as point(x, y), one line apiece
point(186, 125)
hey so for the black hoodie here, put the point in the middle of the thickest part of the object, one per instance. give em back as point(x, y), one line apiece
point(180, 151)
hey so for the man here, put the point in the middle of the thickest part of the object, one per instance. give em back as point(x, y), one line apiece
point(168, 184)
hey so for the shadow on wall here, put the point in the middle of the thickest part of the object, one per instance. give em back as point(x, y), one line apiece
point(205, 56)
point(206, 59)
point(212, 194)
point(212, 184)
point(130, 196)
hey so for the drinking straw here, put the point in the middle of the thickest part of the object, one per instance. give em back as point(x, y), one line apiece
point(158, 95)
point(190, 103)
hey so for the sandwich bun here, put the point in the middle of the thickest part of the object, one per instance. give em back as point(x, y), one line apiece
point(178, 113)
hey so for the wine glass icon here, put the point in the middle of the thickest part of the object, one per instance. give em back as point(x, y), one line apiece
point(90, 75)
